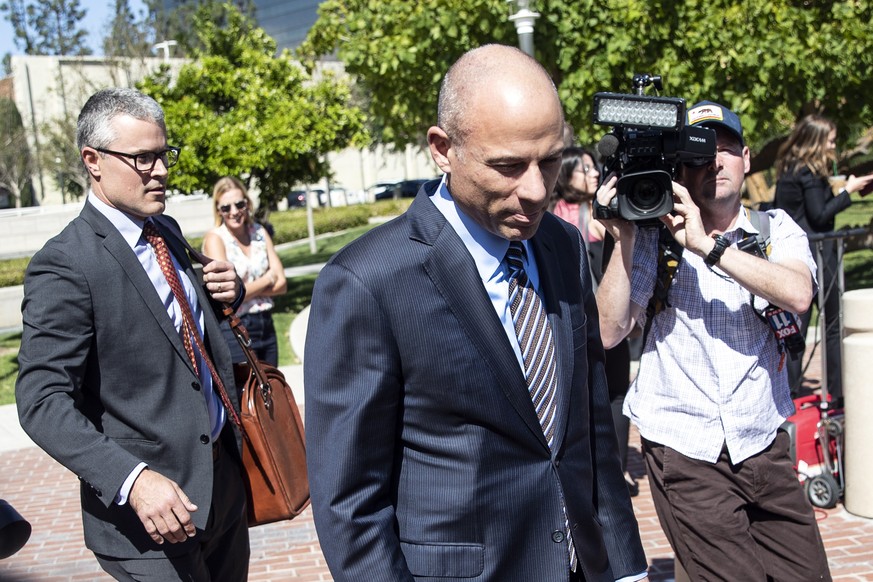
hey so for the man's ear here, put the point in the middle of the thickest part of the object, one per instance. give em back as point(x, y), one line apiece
point(440, 144)
point(91, 157)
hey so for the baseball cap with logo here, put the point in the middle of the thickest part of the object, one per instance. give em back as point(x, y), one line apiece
point(710, 114)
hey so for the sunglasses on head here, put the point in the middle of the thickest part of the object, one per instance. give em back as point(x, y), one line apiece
point(239, 205)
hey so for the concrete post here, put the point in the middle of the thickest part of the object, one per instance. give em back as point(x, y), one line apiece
point(858, 431)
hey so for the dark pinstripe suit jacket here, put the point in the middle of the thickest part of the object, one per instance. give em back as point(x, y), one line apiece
point(426, 458)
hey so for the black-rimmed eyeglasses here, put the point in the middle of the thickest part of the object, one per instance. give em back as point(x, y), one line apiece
point(145, 161)
point(239, 205)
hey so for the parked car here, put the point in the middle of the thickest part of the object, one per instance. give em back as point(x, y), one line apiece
point(296, 199)
point(409, 188)
point(382, 190)
point(402, 189)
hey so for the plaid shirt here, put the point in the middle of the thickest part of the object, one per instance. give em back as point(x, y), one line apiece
point(710, 370)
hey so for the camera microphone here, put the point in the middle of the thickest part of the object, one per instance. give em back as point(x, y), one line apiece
point(607, 145)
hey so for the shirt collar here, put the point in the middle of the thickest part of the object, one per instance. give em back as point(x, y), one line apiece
point(129, 226)
point(488, 249)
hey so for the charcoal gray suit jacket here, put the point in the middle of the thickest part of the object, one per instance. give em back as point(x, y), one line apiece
point(105, 382)
point(426, 458)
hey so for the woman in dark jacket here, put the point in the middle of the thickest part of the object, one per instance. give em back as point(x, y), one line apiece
point(803, 190)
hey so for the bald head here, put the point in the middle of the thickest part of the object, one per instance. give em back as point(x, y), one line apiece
point(490, 76)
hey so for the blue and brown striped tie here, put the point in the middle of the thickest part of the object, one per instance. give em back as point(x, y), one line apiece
point(537, 352)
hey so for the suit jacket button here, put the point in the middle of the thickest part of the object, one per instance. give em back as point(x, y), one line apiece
point(204, 439)
point(195, 385)
point(557, 536)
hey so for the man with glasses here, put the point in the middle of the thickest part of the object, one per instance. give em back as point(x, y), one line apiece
point(123, 367)
point(712, 392)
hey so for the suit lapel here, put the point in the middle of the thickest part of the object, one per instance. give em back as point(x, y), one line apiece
point(116, 246)
point(551, 281)
point(453, 272)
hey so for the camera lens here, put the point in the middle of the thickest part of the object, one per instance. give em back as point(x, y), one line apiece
point(646, 194)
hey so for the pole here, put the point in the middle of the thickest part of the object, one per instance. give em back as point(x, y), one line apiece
point(164, 47)
point(524, 25)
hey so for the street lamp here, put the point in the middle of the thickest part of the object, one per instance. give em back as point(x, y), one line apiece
point(524, 25)
point(164, 46)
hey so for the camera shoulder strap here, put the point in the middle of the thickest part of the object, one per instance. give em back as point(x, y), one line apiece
point(761, 221)
point(670, 253)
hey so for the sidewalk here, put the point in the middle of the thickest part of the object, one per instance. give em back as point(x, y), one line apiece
point(47, 495)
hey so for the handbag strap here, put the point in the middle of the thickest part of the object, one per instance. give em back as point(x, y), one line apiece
point(239, 331)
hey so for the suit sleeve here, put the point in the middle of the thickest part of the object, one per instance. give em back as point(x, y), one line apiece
point(55, 348)
point(611, 497)
point(353, 387)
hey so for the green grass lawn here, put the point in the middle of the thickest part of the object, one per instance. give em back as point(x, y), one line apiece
point(8, 366)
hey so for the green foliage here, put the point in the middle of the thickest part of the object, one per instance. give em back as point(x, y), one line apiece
point(769, 61)
point(398, 52)
point(178, 24)
point(291, 225)
point(47, 27)
point(239, 110)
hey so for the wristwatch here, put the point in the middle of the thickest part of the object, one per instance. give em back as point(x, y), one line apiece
point(721, 243)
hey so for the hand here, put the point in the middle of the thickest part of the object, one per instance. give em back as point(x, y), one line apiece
point(685, 223)
point(162, 507)
point(221, 281)
point(619, 228)
point(857, 183)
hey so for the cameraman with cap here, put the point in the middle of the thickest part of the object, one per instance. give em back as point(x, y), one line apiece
point(712, 390)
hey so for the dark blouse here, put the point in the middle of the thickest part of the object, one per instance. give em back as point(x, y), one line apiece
point(808, 200)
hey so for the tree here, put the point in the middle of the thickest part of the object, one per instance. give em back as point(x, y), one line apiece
point(178, 24)
point(61, 158)
point(128, 36)
point(239, 110)
point(48, 27)
point(769, 61)
point(16, 163)
point(398, 52)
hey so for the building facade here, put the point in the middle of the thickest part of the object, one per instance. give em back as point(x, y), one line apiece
point(287, 21)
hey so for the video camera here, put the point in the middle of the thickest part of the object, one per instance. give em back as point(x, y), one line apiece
point(648, 142)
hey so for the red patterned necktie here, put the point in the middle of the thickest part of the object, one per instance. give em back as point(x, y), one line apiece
point(190, 335)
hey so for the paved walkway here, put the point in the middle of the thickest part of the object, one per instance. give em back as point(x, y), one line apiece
point(46, 494)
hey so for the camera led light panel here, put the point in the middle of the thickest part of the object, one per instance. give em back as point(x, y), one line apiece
point(639, 111)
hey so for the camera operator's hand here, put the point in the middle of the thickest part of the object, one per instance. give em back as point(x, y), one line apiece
point(685, 223)
point(619, 228)
point(618, 313)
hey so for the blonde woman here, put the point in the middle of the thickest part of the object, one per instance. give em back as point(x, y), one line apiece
point(238, 239)
point(805, 162)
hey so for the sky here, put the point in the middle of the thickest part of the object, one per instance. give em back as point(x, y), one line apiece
point(97, 17)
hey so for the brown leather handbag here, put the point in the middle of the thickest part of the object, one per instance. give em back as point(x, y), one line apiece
point(274, 448)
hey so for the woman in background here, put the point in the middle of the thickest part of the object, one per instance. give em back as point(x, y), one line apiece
point(246, 244)
point(575, 188)
point(804, 166)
